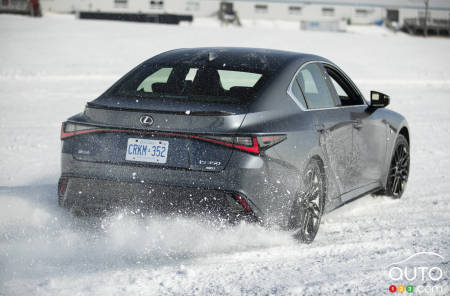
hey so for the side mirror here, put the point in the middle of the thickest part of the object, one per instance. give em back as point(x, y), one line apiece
point(378, 100)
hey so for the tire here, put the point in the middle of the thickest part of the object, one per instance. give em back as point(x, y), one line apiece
point(398, 169)
point(60, 201)
point(308, 207)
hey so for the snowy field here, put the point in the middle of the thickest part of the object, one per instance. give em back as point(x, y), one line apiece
point(50, 67)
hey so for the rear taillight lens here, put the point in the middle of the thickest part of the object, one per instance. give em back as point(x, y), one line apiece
point(252, 144)
point(249, 144)
point(69, 129)
point(268, 141)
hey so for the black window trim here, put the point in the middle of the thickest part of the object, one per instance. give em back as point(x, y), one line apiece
point(345, 79)
point(336, 102)
point(326, 78)
point(321, 65)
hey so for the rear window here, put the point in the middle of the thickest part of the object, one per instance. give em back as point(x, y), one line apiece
point(200, 83)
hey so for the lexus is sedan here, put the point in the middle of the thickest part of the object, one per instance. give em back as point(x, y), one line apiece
point(263, 135)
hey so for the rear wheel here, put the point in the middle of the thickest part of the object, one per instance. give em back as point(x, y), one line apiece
point(399, 169)
point(308, 207)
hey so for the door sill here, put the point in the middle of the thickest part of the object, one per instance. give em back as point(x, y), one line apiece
point(360, 191)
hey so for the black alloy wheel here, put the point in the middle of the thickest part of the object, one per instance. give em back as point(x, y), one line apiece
point(308, 207)
point(399, 169)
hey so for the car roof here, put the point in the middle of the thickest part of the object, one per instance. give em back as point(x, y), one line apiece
point(244, 58)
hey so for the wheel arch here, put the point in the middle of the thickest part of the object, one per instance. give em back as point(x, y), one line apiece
point(404, 132)
point(320, 159)
point(321, 163)
point(333, 188)
point(324, 174)
point(312, 157)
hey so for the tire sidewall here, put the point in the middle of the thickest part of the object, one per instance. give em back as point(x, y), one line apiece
point(296, 212)
point(399, 141)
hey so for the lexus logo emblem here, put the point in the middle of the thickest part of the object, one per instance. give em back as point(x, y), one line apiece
point(146, 120)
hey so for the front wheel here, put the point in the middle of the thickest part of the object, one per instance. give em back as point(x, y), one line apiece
point(399, 169)
point(308, 207)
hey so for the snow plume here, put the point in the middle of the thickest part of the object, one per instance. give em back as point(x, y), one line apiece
point(38, 236)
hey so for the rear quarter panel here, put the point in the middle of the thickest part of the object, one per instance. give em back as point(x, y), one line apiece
point(285, 163)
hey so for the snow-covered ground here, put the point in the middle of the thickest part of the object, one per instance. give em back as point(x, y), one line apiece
point(50, 67)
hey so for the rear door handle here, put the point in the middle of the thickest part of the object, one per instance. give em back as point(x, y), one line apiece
point(357, 124)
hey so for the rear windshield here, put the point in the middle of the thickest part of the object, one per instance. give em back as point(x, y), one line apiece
point(202, 83)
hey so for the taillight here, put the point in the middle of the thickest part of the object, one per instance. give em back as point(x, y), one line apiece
point(249, 144)
point(252, 144)
point(268, 141)
point(69, 129)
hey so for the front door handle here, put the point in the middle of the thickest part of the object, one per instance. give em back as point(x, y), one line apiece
point(357, 124)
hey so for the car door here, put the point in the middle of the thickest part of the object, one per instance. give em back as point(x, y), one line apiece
point(369, 131)
point(335, 132)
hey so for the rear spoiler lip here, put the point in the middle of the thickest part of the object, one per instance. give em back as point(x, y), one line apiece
point(100, 125)
point(192, 113)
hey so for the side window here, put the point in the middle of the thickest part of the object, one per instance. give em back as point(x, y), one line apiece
point(347, 95)
point(315, 88)
point(339, 90)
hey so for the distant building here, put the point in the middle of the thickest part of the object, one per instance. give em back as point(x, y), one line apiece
point(62, 6)
point(395, 12)
point(357, 11)
point(30, 7)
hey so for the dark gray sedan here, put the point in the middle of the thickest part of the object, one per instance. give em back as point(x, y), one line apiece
point(240, 133)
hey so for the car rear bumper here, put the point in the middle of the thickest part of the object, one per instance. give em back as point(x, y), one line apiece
point(96, 196)
point(105, 185)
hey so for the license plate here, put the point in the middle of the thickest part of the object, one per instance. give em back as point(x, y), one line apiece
point(147, 150)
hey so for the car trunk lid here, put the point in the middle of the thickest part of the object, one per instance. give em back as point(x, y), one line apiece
point(179, 130)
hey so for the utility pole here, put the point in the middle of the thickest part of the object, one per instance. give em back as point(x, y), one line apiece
point(425, 25)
